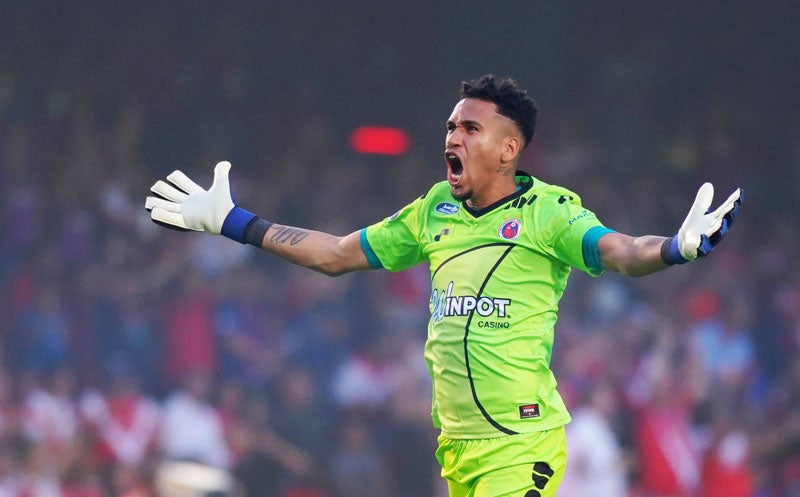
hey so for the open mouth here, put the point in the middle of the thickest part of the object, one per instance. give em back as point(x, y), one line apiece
point(454, 168)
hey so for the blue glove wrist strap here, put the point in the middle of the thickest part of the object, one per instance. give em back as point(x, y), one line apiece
point(670, 253)
point(235, 223)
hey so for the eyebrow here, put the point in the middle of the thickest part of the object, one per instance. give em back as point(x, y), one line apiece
point(468, 122)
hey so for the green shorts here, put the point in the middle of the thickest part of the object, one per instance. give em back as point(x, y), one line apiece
point(523, 465)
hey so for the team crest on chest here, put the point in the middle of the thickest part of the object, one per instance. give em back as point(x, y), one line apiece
point(510, 229)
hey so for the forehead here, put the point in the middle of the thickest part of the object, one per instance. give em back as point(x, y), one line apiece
point(473, 109)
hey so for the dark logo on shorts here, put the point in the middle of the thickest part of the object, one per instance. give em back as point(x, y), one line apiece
point(529, 411)
point(541, 474)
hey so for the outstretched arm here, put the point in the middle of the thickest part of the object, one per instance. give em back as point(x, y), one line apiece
point(323, 252)
point(700, 232)
point(634, 256)
point(180, 203)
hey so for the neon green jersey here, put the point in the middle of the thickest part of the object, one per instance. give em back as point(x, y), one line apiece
point(496, 278)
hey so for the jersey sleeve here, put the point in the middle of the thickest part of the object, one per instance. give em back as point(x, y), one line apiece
point(394, 243)
point(573, 233)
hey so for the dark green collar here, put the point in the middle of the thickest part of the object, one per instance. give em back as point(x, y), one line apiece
point(524, 183)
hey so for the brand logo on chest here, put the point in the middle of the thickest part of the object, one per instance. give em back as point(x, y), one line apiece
point(446, 208)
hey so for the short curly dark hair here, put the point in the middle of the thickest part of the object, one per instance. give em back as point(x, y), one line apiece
point(511, 101)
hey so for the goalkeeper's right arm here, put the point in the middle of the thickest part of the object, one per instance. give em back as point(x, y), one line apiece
point(180, 203)
point(322, 252)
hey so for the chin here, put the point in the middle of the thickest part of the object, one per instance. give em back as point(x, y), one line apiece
point(461, 195)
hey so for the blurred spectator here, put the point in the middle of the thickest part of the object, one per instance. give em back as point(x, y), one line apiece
point(407, 437)
point(192, 429)
point(22, 218)
point(131, 481)
point(42, 332)
point(264, 460)
point(726, 465)
point(320, 330)
point(189, 342)
point(366, 379)
point(79, 476)
point(302, 416)
point(126, 421)
point(50, 416)
point(10, 469)
point(721, 341)
point(11, 411)
point(247, 328)
point(357, 468)
point(667, 446)
point(596, 464)
point(40, 476)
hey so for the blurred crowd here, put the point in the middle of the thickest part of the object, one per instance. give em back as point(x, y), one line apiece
point(125, 345)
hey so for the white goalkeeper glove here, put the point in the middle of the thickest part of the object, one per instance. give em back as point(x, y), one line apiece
point(183, 205)
point(702, 229)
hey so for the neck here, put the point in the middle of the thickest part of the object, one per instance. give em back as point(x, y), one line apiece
point(494, 193)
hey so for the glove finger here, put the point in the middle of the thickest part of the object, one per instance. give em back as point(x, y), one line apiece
point(179, 179)
point(705, 195)
point(221, 172)
point(728, 206)
point(735, 199)
point(723, 212)
point(718, 235)
point(152, 202)
point(169, 226)
point(171, 219)
point(731, 215)
point(713, 226)
point(168, 191)
point(736, 205)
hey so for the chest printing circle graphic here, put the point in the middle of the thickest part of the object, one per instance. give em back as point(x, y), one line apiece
point(510, 229)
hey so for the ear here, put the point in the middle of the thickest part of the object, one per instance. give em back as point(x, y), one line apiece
point(512, 146)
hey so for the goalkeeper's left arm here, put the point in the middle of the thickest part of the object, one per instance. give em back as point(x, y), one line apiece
point(180, 203)
point(700, 232)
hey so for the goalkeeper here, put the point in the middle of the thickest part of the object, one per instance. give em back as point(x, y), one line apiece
point(500, 245)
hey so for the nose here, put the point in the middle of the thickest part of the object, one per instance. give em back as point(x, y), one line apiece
point(453, 137)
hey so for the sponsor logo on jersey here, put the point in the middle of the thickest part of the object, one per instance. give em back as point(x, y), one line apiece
point(444, 303)
point(492, 325)
point(529, 411)
point(510, 229)
point(446, 208)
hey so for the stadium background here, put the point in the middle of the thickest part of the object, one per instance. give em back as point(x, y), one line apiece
point(303, 385)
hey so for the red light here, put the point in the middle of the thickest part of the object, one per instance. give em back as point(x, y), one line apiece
point(380, 140)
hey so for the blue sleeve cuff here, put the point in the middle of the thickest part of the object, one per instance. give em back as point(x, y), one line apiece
point(235, 223)
point(373, 260)
point(591, 254)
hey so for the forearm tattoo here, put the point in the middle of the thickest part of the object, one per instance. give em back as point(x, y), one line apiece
point(286, 234)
